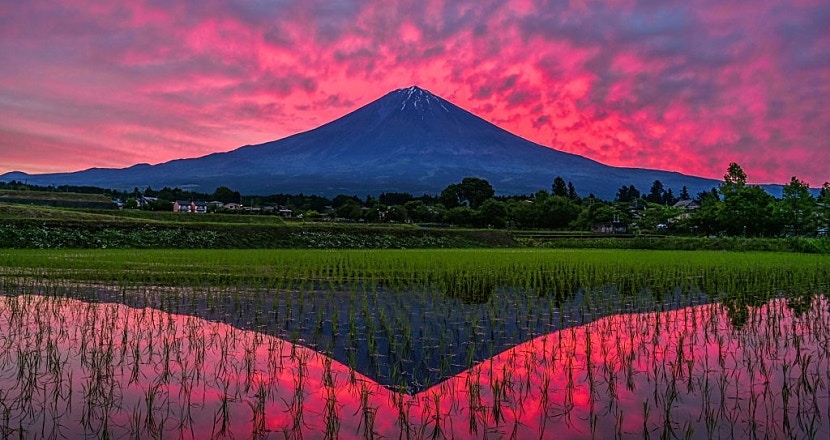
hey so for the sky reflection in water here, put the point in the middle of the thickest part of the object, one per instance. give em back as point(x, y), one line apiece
point(69, 368)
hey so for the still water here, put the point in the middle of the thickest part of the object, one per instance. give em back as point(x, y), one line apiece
point(71, 368)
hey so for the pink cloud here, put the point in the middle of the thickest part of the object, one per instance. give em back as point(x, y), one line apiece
point(675, 85)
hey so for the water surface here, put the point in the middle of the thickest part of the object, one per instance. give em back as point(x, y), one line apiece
point(70, 368)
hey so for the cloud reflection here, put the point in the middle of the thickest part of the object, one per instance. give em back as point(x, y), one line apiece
point(69, 367)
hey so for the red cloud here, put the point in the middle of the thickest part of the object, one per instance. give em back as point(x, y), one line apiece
point(679, 86)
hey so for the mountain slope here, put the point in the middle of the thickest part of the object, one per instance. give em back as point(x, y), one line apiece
point(408, 140)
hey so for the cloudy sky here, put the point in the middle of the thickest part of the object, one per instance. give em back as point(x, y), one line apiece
point(687, 85)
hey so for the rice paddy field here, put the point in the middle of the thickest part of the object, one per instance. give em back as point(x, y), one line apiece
point(413, 344)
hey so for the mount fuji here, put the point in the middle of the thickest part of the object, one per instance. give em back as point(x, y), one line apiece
point(409, 140)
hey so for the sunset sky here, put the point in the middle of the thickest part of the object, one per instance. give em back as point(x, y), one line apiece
point(682, 85)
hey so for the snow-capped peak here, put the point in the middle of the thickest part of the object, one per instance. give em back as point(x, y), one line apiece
point(419, 98)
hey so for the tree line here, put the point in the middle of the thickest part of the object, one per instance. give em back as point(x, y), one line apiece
point(734, 208)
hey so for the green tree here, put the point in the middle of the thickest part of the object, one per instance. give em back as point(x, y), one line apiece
point(597, 212)
point(523, 213)
point(350, 209)
point(627, 194)
point(375, 213)
point(461, 216)
point(394, 198)
point(450, 196)
point(824, 208)
point(559, 187)
point(735, 175)
point(226, 195)
point(572, 192)
point(746, 209)
point(396, 213)
point(419, 211)
point(669, 198)
point(341, 199)
point(706, 220)
point(557, 212)
point(797, 208)
point(655, 195)
point(471, 192)
point(493, 213)
point(651, 218)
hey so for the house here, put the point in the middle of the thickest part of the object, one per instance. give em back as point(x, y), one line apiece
point(615, 227)
point(181, 206)
point(144, 202)
point(686, 204)
point(232, 206)
point(190, 206)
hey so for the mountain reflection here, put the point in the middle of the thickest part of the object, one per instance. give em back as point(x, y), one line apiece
point(71, 368)
point(407, 339)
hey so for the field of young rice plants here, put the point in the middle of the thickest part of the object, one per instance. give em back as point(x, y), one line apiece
point(413, 344)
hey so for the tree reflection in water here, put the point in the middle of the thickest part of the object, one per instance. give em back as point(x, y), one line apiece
point(71, 368)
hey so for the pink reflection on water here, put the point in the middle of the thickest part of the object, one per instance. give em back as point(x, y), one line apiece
point(72, 368)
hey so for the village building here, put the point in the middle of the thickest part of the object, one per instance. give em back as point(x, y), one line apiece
point(686, 204)
point(615, 227)
point(190, 206)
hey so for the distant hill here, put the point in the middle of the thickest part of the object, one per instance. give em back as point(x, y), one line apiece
point(407, 141)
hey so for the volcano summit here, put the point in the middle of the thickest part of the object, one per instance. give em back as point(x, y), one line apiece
point(409, 140)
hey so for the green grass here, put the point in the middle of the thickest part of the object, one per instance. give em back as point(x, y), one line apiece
point(7, 194)
point(546, 271)
point(794, 244)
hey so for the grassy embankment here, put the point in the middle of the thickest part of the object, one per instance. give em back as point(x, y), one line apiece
point(27, 226)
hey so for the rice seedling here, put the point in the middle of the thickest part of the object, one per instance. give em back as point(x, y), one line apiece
point(450, 343)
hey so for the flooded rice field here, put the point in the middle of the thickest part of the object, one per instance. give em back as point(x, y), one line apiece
point(152, 362)
point(431, 344)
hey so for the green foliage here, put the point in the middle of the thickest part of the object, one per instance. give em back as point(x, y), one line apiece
point(420, 212)
point(733, 209)
point(492, 214)
point(226, 195)
point(462, 216)
point(558, 212)
point(627, 194)
point(796, 210)
point(394, 198)
point(559, 187)
point(350, 209)
point(735, 175)
point(656, 193)
point(746, 210)
point(471, 192)
point(572, 194)
point(397, 214)
point(597, 212)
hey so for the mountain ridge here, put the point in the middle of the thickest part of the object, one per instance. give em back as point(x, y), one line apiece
point(408, 140)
